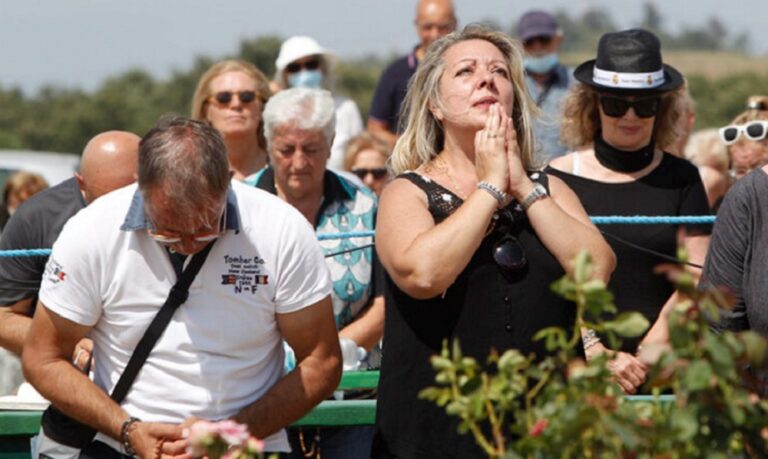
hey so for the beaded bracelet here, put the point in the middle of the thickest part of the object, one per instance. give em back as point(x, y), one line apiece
point(495, 192)
point(589, 338)
point(129, 425)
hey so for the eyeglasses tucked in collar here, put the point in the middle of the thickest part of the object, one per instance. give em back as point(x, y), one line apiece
point(172, 237)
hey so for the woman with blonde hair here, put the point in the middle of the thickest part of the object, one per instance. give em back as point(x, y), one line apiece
point(746, 138)
point(231, 96)
point(469, 234)
point(366, 157)
point(623, 110)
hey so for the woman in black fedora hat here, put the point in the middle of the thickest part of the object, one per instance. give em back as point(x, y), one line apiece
point(617, 117)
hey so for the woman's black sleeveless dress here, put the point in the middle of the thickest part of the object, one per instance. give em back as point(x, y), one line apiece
point(483, 309)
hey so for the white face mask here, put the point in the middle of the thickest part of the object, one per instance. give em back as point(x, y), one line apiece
point(306, 79)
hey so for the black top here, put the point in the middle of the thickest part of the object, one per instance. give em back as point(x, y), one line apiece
point(736, 258)
point(35, 225)
point(483, 310)
point(390, 91)
point(673, 188)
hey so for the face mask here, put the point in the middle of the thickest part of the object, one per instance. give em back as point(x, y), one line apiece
point(540, 64)
point(306, 79)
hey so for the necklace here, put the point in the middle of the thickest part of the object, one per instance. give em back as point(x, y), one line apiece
point(443, 167)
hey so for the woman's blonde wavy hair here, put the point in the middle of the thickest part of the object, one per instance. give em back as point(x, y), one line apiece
point(581, 117)
point(424, 137)
point(203, 89)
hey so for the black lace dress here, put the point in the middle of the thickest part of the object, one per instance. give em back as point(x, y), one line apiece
point(484, 309)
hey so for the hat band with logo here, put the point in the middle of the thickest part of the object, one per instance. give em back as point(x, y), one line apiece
point(628, 80)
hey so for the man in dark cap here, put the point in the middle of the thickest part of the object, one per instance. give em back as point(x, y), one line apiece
point(548, 80)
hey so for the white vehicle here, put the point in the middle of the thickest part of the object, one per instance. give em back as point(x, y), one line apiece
point(54, 167)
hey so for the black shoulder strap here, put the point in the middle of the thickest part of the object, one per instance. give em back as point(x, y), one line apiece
point(177, 296)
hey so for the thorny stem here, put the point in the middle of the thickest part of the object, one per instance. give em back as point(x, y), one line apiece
point(482, 441)
point(498, 437)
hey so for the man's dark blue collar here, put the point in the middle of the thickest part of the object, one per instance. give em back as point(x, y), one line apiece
point(334, 188)
point(136, 219)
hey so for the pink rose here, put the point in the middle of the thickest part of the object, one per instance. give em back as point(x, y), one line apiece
point(538, 428)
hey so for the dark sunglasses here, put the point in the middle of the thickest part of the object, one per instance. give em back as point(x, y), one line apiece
point(543, 39)
point(616, 107)
point(755, 130)
point(294, 67)
point(507, 252)
point(377, 172)
point(225, 97)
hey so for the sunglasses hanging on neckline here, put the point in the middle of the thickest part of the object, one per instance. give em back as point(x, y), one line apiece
point(508, 253)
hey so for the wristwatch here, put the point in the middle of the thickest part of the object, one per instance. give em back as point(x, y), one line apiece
point(538, 192)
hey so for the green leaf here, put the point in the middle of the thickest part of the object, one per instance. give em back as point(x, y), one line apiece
point(755, 347)
point(698, 375)
point(685, 422)
point(628, 324)
point(440, 363)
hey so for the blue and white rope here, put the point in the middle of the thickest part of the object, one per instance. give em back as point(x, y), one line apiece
point(603, 220)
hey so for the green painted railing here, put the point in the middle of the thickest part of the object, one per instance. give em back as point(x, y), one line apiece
point(16, 427)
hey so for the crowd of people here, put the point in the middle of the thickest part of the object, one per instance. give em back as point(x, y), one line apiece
point(479, 150)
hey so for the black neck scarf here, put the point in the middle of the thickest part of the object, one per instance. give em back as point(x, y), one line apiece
point(621, 160)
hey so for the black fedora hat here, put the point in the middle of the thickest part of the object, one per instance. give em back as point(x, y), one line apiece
point(629, 61)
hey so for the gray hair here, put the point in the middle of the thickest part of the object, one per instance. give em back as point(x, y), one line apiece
point(424, 137)
point(187, 160)
point(303, 108)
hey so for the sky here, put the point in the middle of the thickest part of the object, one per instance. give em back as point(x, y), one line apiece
point(78, 43)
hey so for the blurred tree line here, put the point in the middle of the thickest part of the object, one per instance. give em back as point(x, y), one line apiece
point(59, 119)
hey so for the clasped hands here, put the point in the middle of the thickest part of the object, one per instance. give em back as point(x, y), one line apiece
point(497, 155)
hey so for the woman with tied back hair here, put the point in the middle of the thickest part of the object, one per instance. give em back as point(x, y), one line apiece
point(231, 96)
point(618, 116)
point(746, 138)
point(470, 236)
point(366, 157)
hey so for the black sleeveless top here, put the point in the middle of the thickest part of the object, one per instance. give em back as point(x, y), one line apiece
point(673, 188)
point(483, 309)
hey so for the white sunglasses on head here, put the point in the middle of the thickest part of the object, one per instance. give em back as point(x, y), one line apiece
point(754, 130)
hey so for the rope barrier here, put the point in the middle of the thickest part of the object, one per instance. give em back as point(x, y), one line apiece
point(25, 253)
point(598, 220)
point(653, 220)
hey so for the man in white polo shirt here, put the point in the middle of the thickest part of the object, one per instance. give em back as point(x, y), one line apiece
point(221, 356)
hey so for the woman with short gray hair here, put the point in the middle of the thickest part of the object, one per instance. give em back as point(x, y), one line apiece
point(299, 127)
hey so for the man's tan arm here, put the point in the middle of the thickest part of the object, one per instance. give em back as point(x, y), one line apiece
point(47, 365)
point(15, 320)
point(311, 333)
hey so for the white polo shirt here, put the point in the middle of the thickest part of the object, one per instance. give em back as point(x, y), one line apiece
point(222, 349)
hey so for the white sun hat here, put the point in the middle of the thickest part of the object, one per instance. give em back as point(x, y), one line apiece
point(297, 47)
